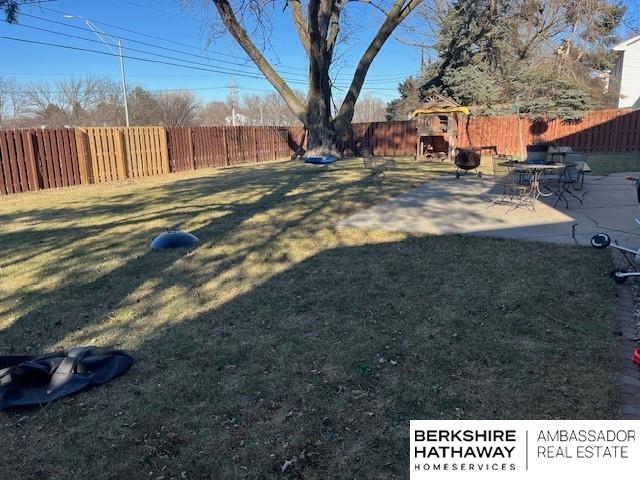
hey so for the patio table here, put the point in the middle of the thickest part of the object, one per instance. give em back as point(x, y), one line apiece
point(537, 170)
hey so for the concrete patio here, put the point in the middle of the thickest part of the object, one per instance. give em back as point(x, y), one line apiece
point(449, 206)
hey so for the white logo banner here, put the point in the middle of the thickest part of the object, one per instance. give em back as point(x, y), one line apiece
point(527, 449)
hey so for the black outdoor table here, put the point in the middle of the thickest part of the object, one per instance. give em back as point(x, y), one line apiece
point(537, 170)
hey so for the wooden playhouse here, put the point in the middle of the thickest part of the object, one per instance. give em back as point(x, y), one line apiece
point(437, 123)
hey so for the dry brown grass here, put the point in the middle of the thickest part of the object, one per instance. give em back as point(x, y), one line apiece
point(281, 338)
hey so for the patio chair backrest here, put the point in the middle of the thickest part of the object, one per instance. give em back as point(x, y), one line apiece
point(501, 171)
point(571, 173)
point(367, 158)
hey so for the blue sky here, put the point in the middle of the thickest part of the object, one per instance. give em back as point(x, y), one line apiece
point(183, 34)
point(169, 30)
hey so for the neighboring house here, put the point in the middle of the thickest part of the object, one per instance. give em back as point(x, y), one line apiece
point(237, 121)
point(625, 75)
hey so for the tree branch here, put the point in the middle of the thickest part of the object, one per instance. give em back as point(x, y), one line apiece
point(239, 33)
point(373, 4)
point(334, 27)
point(300, 22)
point(325, 14)
point(399, 11)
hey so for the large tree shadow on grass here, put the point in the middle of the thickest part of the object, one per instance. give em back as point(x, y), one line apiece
point(324, 364)
point(245, 210)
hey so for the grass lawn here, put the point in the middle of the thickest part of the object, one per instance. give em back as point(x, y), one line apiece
point(282, 338)
point(606, 163)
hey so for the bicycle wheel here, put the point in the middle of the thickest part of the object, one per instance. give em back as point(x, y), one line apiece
point(600, 240)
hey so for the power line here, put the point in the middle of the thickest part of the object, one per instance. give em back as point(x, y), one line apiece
point(403, 75)
point(156, 90)
point(228, 70)
point(98, 74)
point(124, 29)
point(148, 75)
point(82, 49)
point(246, 64)
point(35, 2)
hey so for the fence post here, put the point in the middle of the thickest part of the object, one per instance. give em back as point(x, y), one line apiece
point(255, 141)
point(192, 147)
point(121, 154)
point(33, 178)
point(84, 156)
point(225, 143)
point(164, 149)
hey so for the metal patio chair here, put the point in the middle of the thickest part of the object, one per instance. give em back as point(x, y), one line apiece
point(376, 166)
point(512, 191)
point(571, 179)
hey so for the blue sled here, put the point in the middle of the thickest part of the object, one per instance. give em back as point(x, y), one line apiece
point(321, 160)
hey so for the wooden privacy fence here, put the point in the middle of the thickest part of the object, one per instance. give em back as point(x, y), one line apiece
point(18, 172)
point(381, 138)
point(147, 152)
point(614, 131)
point(33, 159)
point(119, 153)
point(201, 147)
point(599, 131)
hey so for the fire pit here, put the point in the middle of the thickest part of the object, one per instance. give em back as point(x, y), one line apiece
point(467, 160)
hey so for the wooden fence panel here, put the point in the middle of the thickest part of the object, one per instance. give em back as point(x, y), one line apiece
point(53, 158)
point(205, 147)
point(381, 139)
point(181, 149)
point(11, 176)
point(597, 132)
point(31, 159)
point(57, 160)
point(143, 151)
point(208, 147)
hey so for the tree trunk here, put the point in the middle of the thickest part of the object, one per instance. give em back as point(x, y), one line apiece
point(323, 135)
point(322, 138)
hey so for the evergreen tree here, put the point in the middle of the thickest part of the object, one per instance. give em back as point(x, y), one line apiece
point(538, 54)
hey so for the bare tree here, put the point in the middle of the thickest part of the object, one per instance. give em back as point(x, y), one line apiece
point(178, 109)
point(319, 31)
point(215, 113)
point(72, 102)
point(9, 94)
point(80, 97)
point(267, 109)
point(42, 104)
point(109, 110)
point(370, 109)
point(277, 111)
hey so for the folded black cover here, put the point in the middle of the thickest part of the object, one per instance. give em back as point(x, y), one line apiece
point(30, 381)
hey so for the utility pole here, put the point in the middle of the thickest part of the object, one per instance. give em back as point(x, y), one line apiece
point(124, 85)
point(234, 100)
point(102, 36)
